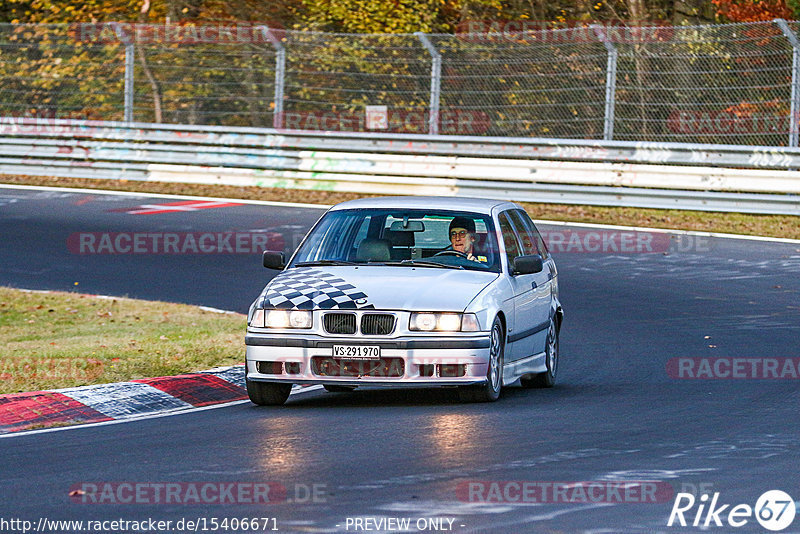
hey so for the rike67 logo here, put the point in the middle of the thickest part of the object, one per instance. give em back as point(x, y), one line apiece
point(774, 510)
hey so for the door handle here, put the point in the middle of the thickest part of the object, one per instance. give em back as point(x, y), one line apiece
point(533, 285)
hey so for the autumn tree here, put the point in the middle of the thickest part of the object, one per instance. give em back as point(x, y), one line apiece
point(755, 10)
point(534, 90)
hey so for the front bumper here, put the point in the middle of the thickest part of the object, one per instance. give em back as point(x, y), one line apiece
point(415, 360)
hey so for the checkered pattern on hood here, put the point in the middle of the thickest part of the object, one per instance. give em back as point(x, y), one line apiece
point(307, 289)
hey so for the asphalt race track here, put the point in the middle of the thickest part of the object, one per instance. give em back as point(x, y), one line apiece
point(618, 413)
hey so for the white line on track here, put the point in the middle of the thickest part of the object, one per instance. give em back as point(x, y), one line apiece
point(161, 195)
point(671, 231)
point(143, 417)
point(326, 206)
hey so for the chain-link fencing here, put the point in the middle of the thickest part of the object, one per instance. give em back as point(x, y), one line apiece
point(729, 84)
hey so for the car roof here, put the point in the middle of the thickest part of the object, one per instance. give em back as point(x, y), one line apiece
point(479, 205)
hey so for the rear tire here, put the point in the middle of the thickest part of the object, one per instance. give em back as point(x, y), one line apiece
point(548, 378)
point(268, 393)
point(490, 390)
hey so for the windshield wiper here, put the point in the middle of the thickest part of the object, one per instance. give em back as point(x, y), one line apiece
point(421, 263)
point(323, 262)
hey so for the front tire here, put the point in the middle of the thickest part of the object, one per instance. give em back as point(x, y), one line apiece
point(490, 390)
point(548, 378)
point(268, 393)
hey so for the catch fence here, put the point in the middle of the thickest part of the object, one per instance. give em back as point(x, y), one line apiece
point(735, 84)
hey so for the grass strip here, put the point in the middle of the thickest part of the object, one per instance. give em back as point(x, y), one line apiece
point(58, 339)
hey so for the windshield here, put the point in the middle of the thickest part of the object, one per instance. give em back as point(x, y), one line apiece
point(418, 238)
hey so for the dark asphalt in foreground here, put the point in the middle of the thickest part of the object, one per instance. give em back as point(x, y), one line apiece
point(615, 415)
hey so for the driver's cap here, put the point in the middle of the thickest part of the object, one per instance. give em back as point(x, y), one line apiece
point(462, 222)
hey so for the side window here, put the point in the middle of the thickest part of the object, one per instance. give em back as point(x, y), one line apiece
point(532, 242)
point(509, 238)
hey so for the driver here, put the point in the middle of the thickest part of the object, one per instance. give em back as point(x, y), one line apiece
point(462, 236)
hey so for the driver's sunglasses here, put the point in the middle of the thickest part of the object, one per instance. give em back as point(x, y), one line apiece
point(460, 233)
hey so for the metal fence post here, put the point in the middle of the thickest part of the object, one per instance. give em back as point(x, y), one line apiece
point(436, 78)
point(611, 82)
point(128, 107)
point(280, 77)
point(794, 105)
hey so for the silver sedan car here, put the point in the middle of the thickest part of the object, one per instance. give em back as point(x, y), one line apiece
point(409, 292)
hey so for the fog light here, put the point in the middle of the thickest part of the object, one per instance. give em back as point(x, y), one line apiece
point(270, 368)
point(452, 370)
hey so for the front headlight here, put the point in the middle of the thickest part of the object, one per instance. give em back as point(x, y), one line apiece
point(443, 322)
point(281, 319)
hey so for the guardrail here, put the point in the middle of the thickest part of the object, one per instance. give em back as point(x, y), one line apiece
point(611, 173)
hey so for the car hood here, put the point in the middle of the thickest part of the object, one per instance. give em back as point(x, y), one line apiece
point(375, 287)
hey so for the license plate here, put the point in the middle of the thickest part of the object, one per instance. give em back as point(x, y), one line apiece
point(357, 352)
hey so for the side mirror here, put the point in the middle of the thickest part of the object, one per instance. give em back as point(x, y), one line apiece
point(528, 264)
point(274, 260)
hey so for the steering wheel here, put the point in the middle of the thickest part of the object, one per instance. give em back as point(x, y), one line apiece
point(450, 253)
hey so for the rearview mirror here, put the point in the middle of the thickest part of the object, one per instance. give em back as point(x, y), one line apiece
point(528, 264)
point(407, 226)
point(274, 260)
